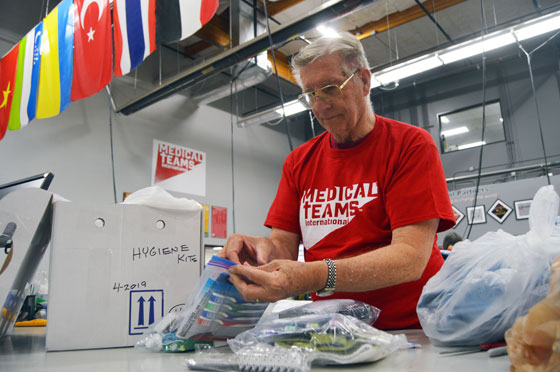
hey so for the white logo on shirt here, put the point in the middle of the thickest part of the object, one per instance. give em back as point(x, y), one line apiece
point(324, 211)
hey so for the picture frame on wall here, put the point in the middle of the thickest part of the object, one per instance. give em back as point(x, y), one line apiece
point(476, 215)
point(458, 215)
point(522, 208)
point(500, 211)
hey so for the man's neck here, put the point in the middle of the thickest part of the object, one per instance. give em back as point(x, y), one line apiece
point(362, 130)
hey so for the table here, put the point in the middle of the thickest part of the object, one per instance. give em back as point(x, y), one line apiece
point(24, 350)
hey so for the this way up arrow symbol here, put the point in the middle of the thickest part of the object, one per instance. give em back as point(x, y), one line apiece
point(141, 310)
point(151, 301)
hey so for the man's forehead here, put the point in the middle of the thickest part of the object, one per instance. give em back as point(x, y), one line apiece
point(321, 72)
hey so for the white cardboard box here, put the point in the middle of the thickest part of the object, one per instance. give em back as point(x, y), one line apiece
point(117, 269)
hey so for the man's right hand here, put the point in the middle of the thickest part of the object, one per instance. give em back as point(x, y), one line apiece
point(241, 249)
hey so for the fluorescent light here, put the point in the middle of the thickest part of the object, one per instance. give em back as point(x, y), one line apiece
point(407, 69)
point(467, 49)
point(292, 108)
point(444, 119)
point(374, 82)
point(327, 31)
point(469, 145)
point(472, 48)
point(454, 131)
point(537, 27)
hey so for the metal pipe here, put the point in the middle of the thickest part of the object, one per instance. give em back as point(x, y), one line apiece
point(503, 171)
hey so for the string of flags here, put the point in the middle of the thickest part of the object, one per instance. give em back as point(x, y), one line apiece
point(69, 55)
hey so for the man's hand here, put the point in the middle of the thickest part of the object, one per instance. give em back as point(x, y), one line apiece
point(242, 249)
point(257, 250)
point(278, 279)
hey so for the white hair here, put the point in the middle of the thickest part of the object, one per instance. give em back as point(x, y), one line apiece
point(346, 45)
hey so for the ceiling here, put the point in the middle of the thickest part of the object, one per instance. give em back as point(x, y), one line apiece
point(390, 31)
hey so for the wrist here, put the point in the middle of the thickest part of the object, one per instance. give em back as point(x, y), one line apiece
point(330, 282)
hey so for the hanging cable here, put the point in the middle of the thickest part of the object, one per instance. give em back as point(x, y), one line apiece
point(529, 55)
point(109, 100)
point(480, 156)
point(277, 78)
point(232, 153)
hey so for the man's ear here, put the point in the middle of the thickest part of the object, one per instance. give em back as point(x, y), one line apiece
point(365, 77)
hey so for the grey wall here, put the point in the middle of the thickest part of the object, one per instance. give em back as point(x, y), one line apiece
point(507, 80)
point(75, 146)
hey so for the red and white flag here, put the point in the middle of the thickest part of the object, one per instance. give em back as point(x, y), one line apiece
point(179, 19)
point(93, 48)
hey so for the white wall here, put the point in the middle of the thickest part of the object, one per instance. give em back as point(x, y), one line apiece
point(75, 146)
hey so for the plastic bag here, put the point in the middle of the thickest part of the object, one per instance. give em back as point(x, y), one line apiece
point(533, 343)
point(214, 311)
point(486, 284)
point(156, 197)
point(325, 338)
point(357, 309)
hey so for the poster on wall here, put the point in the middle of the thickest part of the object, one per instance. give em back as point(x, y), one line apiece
point(178, 168)
point(219, 222)
point(500, 211)
point(206, 209)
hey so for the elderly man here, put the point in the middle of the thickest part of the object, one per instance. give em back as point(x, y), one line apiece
point(366, 198)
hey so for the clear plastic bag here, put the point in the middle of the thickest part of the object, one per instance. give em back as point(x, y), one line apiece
point(214, 311)
point(325, 338)
point(533, 343)
point(486, 284)
point(357, 309)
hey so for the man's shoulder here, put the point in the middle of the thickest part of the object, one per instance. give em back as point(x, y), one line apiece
point(311, 145)
point(404, 131)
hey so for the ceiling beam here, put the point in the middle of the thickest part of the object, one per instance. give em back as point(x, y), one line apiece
point(400, 18)
point(279, 6)
point(283, 66)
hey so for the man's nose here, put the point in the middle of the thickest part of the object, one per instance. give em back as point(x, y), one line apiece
point(321, 103)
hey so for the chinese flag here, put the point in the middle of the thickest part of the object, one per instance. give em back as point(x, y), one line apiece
point(8, 66)
point(93, 48)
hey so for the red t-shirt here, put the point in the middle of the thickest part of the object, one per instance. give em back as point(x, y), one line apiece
point(345, 202)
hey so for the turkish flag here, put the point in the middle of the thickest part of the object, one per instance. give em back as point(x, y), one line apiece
point(8, 66)
point(93, 48)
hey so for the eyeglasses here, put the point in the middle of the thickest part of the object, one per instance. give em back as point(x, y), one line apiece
point(327, 93)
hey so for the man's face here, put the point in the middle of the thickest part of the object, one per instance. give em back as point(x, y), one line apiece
point(344, 115)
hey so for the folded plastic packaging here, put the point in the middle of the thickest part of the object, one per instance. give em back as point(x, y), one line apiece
point(486, 284)
point(324, 338)
point(213, 312)
point(356, 309)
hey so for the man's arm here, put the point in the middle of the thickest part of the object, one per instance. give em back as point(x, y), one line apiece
point(402, 261)
point(257, 250)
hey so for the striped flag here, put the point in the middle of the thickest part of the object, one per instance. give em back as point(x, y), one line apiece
point(135, 30)
point(93, 48)
point(55, 79)
point(179, 19)
point(27, 78)
point(8, 66)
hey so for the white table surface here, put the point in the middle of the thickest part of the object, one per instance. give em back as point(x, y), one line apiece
point(24, 350)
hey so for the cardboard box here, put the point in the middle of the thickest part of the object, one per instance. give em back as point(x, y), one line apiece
point(115, 270)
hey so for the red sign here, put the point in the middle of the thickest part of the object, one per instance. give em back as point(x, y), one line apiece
point(219, 222)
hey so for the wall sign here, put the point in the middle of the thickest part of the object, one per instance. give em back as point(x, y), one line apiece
point(178, 168)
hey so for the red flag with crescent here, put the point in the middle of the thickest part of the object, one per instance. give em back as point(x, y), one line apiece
point(8, 67)
point(93, 48)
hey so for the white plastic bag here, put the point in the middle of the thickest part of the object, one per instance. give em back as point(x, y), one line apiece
point(486, 284)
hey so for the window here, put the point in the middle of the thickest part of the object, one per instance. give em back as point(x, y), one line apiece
point(462, 129)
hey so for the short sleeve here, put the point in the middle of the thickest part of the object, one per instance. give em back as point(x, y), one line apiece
point(284, 211)
point(417, 190)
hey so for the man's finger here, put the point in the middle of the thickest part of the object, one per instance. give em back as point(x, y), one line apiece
point(250, 292)
point(251, 273)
